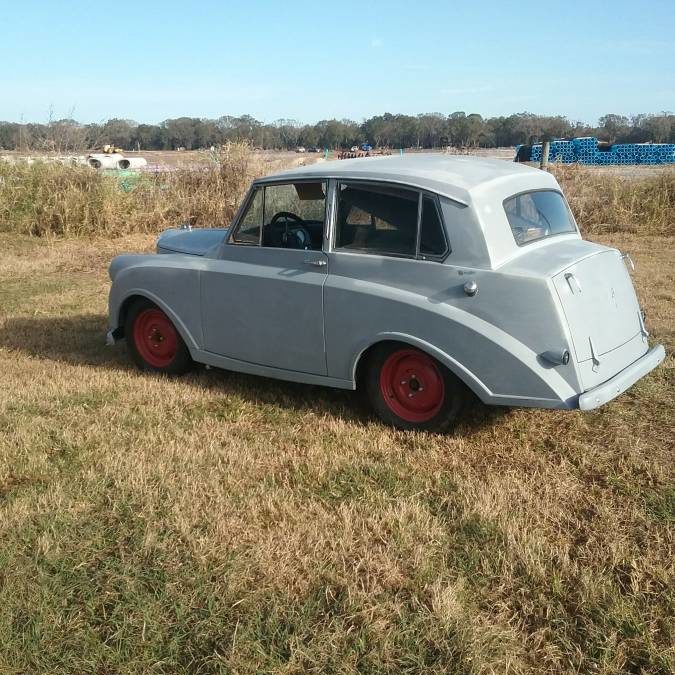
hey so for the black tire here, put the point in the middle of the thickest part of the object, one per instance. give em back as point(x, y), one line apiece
point(167, 352)
point(389, 366)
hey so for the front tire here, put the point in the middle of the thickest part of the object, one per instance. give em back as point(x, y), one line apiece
point(410, 390)
point(153, 341)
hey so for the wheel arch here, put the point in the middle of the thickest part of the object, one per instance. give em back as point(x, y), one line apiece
point(463, 374)
point(133, 296)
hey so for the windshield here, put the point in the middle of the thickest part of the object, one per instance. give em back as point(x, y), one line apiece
point(539, 214)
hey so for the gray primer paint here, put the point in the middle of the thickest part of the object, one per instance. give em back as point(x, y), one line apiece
point(275, 312)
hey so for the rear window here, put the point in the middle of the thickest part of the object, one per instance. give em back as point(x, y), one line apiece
point(537, 215)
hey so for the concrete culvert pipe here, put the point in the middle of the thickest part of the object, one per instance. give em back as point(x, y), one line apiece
point(132, 163)
point(103, 161)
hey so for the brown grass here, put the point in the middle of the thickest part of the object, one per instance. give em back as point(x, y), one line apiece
point(224, 523)
point(52, 199)
point(605, 201)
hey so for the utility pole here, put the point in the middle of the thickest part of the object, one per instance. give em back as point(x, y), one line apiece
point(545, 149)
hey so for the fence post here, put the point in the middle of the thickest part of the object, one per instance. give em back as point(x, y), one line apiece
point(545, 149)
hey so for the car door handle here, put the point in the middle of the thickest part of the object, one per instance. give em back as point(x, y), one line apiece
point(316, 263)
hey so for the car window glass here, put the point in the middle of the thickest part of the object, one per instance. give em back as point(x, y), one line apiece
point(248, 231)
point(432, 240)
point(536, 215)
point(378, 219)
point(294, 215)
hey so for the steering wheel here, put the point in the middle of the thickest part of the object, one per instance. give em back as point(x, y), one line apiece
point(300, 231)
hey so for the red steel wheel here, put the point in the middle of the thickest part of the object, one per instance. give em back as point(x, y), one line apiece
point(155, 338)
point(412, 386)
point(410, 390)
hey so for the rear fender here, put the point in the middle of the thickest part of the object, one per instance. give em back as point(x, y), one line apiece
point(552, 390)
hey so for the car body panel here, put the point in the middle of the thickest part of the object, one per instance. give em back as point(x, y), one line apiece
point(170, 281)
point(193, 242)
point(599, 303)
point(626, 378)
point(312, 315)
point(263, 297)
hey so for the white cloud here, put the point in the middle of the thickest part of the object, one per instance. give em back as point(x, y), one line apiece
point(376, 42)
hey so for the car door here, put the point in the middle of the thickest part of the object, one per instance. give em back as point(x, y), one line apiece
point(263, 299)
point(386, 264)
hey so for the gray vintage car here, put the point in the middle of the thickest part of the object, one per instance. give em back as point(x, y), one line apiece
point(414, 278)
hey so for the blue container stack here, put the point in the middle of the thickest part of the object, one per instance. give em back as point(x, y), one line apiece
point(586, 151)
point(562, 151)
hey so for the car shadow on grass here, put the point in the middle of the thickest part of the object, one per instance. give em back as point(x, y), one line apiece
point(80, 340)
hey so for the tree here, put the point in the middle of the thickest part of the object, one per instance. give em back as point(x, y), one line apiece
point(427, 130)
point(117, 132)
point(612, 126)
point(180, 132)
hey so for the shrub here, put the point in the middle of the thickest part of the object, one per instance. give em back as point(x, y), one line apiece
point(605, 201)
point(45, 198)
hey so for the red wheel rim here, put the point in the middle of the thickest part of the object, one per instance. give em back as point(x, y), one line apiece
point(412, 385)
point(155, 338)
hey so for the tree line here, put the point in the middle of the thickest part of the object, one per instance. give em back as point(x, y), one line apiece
point(428, 130)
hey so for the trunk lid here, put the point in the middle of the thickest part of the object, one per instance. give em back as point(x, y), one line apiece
point(603, 314)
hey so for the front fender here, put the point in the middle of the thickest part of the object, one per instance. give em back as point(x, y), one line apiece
point(172, 286)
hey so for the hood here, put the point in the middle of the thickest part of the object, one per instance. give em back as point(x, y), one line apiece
point(202, 242)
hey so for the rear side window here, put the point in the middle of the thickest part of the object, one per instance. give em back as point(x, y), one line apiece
point(537, 215)
point(377, 219)
point(432, 239)
point(389, 220)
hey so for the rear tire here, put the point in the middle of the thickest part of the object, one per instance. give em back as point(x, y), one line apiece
point(410, 390)
point(153, 341)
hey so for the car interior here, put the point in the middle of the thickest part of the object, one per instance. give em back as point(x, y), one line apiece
point(370, 218)
point(377, 218)
point(294, 216)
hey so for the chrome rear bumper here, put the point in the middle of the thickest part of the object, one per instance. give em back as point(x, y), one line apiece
point(606, 391)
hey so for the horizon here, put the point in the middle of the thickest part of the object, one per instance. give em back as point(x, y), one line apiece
point(154, 61)
point(309, 123)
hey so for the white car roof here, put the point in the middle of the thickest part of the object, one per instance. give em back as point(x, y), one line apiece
point(458, 177)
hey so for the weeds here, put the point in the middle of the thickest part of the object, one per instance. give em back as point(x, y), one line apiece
point(52, 199)
point(42, 199)
point(220, 523)
point(607, 202)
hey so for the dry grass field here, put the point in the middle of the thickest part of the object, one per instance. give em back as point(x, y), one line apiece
point(221, 523)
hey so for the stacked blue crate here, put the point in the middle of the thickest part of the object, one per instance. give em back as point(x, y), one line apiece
point(655, 153)
point(562, 151)
point(648, 154)
point(585, 151)
point(624, 153)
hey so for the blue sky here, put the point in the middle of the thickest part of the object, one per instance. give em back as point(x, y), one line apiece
point(149, 60)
